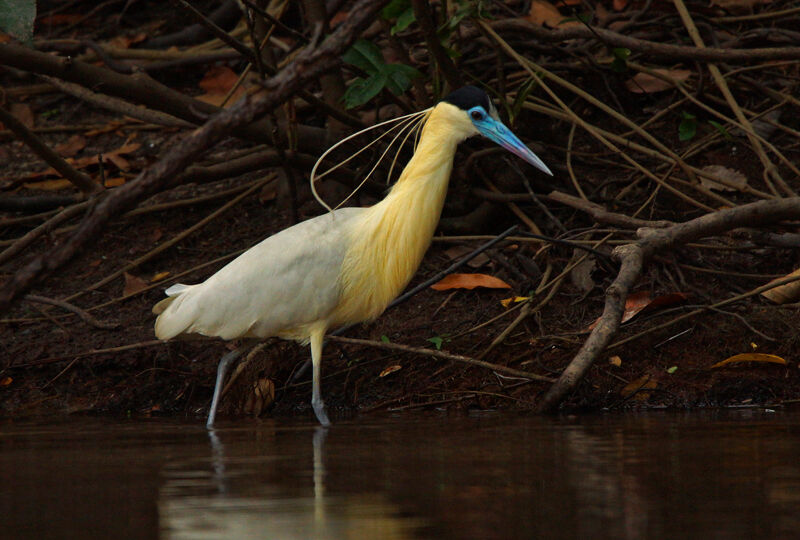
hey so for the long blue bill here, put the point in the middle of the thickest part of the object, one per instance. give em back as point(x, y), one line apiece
point(496, 131)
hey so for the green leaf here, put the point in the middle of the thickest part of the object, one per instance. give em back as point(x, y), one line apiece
point(519, 101)
point(395, 9)
point(719, 127)
point(672, 369)
point(437, 342)
point(16, 18)
point(362, 90)
point(687, 129)
point(399, 76)
point(385, 338)
point(620, 63)
point(465, 9)
point(366, 56)
point(404, 20)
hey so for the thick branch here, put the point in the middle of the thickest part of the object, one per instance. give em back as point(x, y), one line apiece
point(141, 88)
point(633, 257)
point(307, 66)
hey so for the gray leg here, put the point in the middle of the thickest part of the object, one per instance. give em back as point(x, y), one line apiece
point(224, 364)
point(316, 394)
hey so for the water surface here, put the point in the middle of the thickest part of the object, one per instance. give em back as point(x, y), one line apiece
point(730, 474)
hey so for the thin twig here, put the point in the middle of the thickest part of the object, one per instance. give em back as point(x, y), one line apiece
point(442, 355)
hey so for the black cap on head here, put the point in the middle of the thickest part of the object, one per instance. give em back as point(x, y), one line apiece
point(468, 97)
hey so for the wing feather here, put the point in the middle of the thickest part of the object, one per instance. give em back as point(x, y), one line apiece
point(289, 280)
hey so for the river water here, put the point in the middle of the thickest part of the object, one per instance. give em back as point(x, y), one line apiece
point(715, 475)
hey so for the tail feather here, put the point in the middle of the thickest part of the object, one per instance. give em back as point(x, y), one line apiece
point(171, 322)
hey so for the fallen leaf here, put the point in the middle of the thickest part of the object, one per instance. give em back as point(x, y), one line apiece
point(115, 182)
point(48, 185)
point(644, 83)
point(784, 294)
point(6, 381)
point(133, 284)
point(505, 302)
point(734, 180)
point(615, 361)
point(642, 301)
point(124, 42)
point(113, 156)
point(469, 281)
point(739, 6)
point(457, 252)
point(751, 357)
point(23, 113)
point(619, 5)
point(156, 235)
point(390, 369)
point(108, 128)
point(72, 146)
point(268, 193)
point(159, 276)
point(217, 82)
point(645, 382)
point(546, 14)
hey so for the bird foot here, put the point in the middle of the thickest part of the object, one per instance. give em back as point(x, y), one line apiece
point(319, 410)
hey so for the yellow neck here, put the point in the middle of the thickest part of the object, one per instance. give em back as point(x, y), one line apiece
point(391, 238)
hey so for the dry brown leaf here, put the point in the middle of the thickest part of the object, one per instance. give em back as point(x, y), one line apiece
point(751, 357)
point(48, 185)
point(6, 381)
point(114, 157)
point(736, 180)
point(469, 281)
point(644, 83)
point(739, 6)
point(546, 14)
point(505, 302)
point(217, 82)
point(108, 128)
point(23, 113)
point(619, 5)
point(72, 146)
point(615, 361)
point(124, 42)
point(133, 284)
point(642, 301)
point(390, 369)
point(116, 181)
point(645, 382)
point(268, 193)
point(159, 276)
point(156, 235)
point(784, 294)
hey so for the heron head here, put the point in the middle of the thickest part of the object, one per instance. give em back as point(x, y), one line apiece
point(482, 117)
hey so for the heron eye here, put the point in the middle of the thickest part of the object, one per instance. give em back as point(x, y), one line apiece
point(477, 115)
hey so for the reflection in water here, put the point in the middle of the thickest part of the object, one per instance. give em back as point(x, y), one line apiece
point(724, 475)
point(219, 513)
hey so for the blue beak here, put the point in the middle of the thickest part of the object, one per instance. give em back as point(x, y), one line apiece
point(496, 131)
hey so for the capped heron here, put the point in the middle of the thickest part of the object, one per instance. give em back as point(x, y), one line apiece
point(342, 267)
